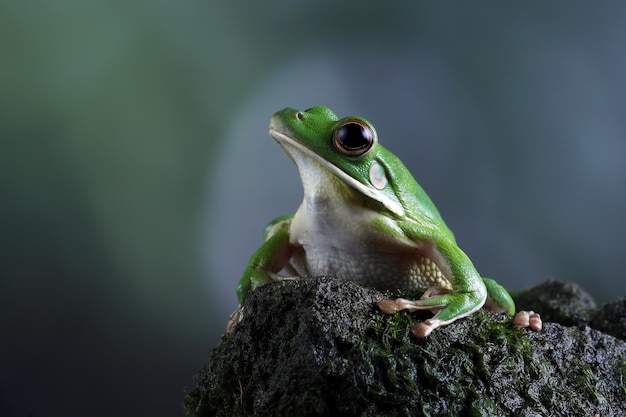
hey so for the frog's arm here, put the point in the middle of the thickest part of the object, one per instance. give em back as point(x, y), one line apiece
point(498, 299)
point(269, 259)
point(468, 292)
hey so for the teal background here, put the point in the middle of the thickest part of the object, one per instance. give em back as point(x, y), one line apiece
point(136, 173)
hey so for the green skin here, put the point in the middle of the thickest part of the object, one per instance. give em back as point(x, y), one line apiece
point(365, 218)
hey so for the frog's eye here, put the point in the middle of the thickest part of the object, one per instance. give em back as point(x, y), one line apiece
point(353, 137)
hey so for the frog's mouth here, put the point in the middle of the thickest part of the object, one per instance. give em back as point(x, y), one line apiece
point(297, 151)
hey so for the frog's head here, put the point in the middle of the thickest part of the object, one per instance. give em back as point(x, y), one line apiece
point(349, 149)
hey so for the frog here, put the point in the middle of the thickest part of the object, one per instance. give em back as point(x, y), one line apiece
point(365, 218)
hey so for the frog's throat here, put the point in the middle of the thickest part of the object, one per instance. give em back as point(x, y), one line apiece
point(287, 143)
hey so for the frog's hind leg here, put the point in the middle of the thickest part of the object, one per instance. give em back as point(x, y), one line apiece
point(498, 299)
point(447, 305)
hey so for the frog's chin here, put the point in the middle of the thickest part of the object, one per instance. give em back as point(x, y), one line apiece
point(308, 161)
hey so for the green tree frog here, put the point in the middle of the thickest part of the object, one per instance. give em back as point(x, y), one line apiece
point(364, 218)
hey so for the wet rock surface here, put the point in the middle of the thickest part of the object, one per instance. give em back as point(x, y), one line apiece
point(317, 347)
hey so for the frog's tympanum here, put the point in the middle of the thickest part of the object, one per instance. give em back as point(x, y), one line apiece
point(364, 218)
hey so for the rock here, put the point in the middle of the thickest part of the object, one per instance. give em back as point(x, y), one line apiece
point(318, 347)
point(560, 302)
point(611, 319)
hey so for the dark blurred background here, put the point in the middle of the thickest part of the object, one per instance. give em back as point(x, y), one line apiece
point(136, 173)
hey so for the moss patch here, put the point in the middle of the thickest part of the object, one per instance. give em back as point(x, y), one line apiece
point(320, 347)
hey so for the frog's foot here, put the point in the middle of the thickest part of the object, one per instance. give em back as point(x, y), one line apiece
point(420, 330)
point(423, 329)
point(388, 306)
point(528, 319)
point(233, 319)
point(447, 305)
point(393, 306)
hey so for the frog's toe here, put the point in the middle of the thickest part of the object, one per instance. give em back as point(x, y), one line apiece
point(393, 306)
point(234, 318)
point(528, 319)
point(388, 306)
point(423, 329)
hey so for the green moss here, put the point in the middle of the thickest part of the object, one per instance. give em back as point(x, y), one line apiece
point(321, 347)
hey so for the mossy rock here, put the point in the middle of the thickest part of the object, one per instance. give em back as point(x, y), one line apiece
point(319, 347)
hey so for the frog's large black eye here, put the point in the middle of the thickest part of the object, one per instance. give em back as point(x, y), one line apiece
point(353, 137)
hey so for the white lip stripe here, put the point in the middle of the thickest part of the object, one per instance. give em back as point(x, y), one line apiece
point(369, 192)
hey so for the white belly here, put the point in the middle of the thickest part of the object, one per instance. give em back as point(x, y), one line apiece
point(341, 243)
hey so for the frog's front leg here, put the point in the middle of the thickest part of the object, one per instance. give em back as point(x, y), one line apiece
point(264, 264)
point(448, 307)
point(467, 295)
